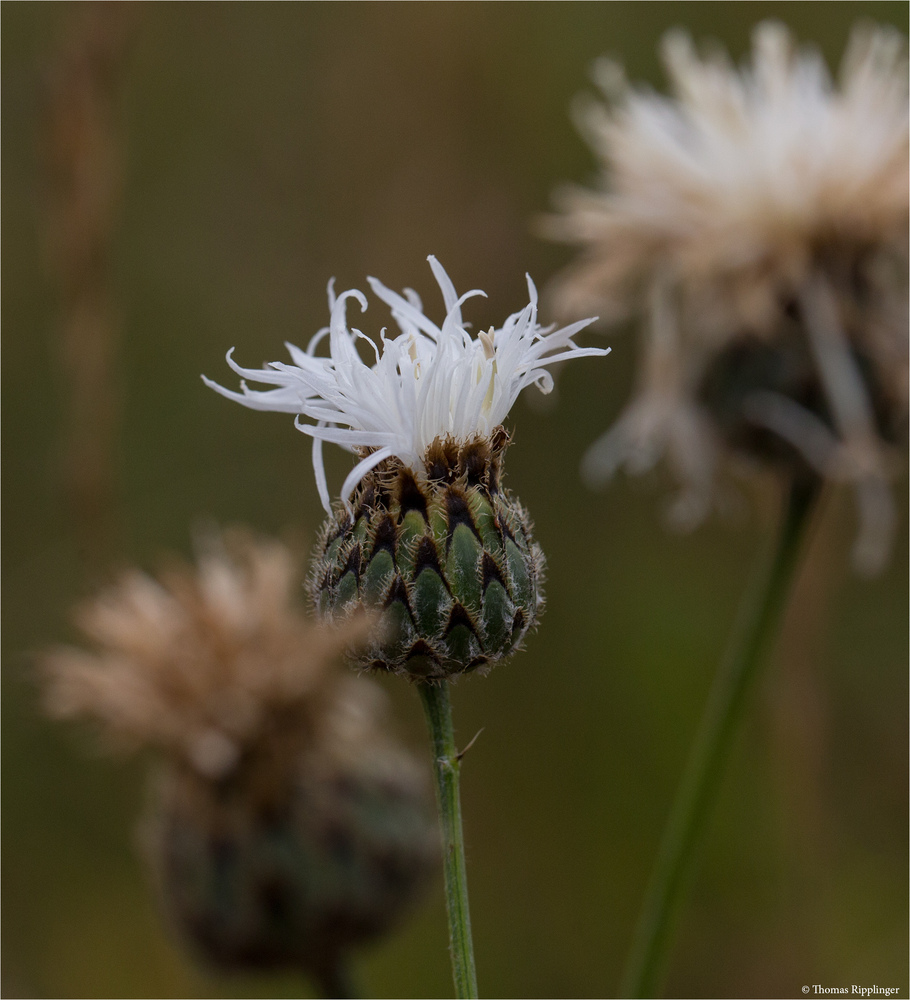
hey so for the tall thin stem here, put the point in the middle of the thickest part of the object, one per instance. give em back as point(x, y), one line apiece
point(756, 629)
point(447, 764)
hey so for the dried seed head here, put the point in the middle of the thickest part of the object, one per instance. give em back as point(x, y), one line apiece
point(758, 220)
point(286, 825)
point(205, 663)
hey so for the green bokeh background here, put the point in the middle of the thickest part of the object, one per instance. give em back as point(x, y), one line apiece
point(269, 147)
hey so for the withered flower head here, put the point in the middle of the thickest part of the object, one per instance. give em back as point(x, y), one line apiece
point(758, 218)
point(285, 823)
point(206, 663)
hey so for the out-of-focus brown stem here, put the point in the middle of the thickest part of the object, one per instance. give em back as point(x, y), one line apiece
point(82, 147)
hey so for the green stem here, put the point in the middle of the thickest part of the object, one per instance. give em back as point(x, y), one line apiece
point(447, 763)
point(753, 636)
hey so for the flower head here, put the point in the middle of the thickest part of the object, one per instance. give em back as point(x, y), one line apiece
point(207, 664)
point(756, 215)
point(426, 383)
point(285, 824)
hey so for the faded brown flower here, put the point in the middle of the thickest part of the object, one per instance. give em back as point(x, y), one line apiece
point(757, 219)
point(284, 824)
point(206, 663)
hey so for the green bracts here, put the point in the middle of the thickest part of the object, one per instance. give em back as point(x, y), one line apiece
point(449, 561)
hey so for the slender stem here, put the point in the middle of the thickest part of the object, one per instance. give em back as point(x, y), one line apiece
point(753, 636)
point(447, 763)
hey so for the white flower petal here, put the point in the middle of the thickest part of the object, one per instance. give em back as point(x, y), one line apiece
point(425, 383)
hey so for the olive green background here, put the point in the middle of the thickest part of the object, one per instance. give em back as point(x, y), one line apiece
point(269, 147)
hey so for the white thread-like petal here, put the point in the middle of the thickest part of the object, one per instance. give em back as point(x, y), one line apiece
point(425, 383)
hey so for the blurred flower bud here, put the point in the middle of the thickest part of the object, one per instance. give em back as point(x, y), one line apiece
point(264, 874)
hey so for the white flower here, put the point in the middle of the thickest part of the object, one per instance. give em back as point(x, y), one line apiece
point(760, 205)
point(426, 382)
